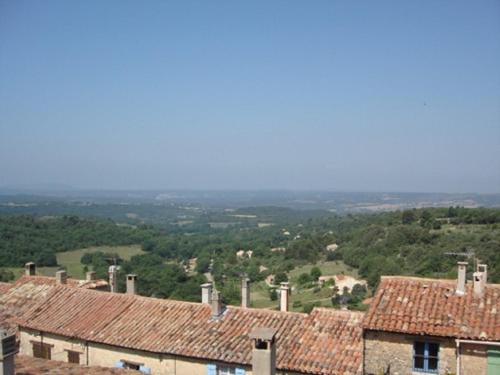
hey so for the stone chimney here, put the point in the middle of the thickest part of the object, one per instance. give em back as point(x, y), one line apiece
point(217, 308)
point(113, 279)
point(131, 281)
point(263, 351)
point(479, 279)
point(245, 292)
point(462, 272)
point(61, 277)
point(284, 294)
point(30, 269)
point(206, 293)
point(8, 350)
point(90, 276)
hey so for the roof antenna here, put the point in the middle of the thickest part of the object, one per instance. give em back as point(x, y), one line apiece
point(469, 253)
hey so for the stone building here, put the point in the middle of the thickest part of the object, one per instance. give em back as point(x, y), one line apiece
point(159, 336)
point(417, 325)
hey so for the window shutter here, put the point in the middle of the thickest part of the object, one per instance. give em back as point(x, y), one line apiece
point(119, 364)
point(239, 371)
point(145, 370)
point(211, 370)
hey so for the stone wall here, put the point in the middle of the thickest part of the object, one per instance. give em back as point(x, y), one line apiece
point(383, 351)
point(473, 359)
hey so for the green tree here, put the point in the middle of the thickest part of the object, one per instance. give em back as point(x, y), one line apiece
point(315, 273)
point(304, 279)
point(408, 217)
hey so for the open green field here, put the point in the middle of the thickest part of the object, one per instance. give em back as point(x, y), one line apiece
point(300, 297)
point(44, 271)
point(71, 259)
point(260, 297)
point(327, 268)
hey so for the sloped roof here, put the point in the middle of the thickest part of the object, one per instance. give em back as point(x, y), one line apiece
point(21, 295)
point(324, 342)
point(429, 306)
point(51, 281)
point(4, 287)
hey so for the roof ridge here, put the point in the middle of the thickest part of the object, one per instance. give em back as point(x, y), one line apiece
point(430, 279)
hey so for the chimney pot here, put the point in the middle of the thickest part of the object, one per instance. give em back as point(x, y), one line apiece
point(263, 351)
point(217, 308)
point(90, 276)
point(30, 269)
point(206, 293)
point(245, 292)
point(284, 294)
point(131, 281)
point(61, 277)
point(479, 282)
point(461, 279)
point(113, 279)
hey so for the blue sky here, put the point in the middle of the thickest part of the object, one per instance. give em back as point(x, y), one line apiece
point(364, 96)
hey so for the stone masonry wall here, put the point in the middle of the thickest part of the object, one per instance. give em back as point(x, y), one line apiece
point(383, 351)
point(473, 359)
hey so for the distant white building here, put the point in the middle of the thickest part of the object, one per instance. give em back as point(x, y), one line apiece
point(278, 249)
point(342, 281)
point(332, 247)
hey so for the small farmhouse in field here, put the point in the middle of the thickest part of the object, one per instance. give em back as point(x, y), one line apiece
point(342, 281)
point(332, 247)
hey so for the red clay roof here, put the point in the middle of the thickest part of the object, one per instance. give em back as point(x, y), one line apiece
point(431, 307)
point(18, 297)
point(4, 287)
point(324, 342)
point(51, 281)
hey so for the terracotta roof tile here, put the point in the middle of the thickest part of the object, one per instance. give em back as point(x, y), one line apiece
point(305, 343)
point(18, 297)
point(4, 287)
point(51, 281)
point(428, 306)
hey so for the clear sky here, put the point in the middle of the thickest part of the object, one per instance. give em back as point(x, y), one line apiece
point(344, 95)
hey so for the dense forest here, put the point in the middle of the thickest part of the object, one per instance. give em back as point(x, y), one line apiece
point(422, 242)
point(30, 238)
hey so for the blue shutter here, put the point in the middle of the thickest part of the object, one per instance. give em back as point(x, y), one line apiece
point(239, 371)
point(211, 370)
point(119, 364)
point(145, 370)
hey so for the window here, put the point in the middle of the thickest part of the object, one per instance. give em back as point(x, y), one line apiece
point(226, 370)
point(41, 350)
point(425, 356)
point(131, 365)
point(73, 357)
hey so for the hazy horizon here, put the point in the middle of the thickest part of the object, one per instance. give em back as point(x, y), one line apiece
point(333, 96)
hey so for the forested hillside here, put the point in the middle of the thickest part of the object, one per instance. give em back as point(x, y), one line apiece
point(412, 242)
point(30, 238)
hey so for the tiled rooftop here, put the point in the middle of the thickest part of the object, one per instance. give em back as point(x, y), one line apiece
point(4, 287)
point(324, 342)
point(18, 297)
point(429, 306)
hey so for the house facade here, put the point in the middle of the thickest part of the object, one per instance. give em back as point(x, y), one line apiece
point(417, 326)
point(158, 336)
point(413, 326)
